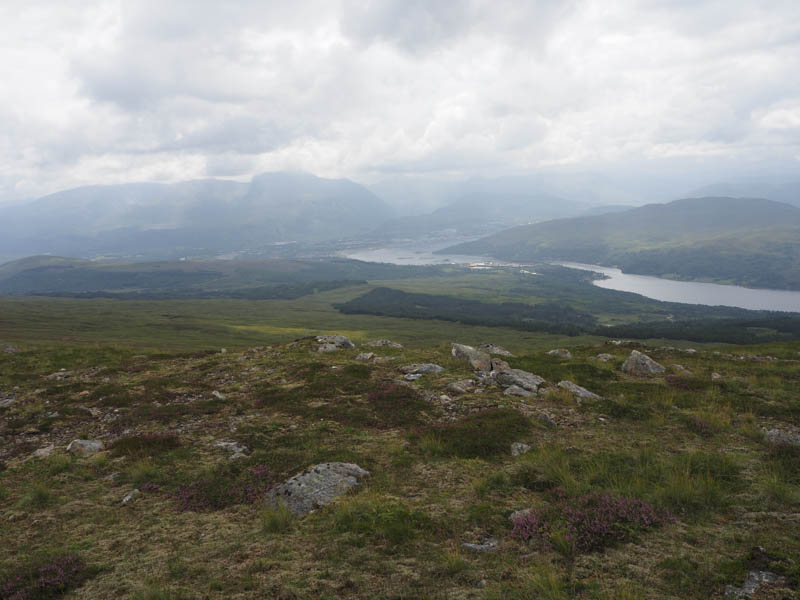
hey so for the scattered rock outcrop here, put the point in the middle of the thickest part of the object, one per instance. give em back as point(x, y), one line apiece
point(560, 353)
point(576, 390)
point(480, 361)
point(316, 486)
point(332, 343)
point(641, 365)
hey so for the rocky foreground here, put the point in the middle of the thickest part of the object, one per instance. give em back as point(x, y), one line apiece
point(332, 467)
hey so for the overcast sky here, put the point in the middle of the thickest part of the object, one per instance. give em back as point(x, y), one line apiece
point(165, 90)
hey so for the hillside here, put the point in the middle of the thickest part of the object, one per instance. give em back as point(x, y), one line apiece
point(479, 213)
point(189, 218)
point(746, 241)
point(592, 482)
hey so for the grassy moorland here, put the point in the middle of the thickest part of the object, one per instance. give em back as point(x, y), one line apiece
point(666, 480)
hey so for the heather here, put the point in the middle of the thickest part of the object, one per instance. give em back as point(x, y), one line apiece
point(46, 578)
point(587, 523)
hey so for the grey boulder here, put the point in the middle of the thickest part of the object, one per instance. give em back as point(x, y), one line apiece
point(480, 361)
point(316, 486)
point(384, 344)
point(84, 447)
point(520, 378)
point(331, 343)
point(421, 369)
point(641, 365)
point(515, 390)
point(560, 353)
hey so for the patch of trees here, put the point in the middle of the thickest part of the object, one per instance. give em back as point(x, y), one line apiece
point(560, 318)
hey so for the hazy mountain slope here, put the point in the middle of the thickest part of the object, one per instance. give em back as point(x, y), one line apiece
point(192, 216)
point(483, 213)
point(788, 192)
point(742, 240)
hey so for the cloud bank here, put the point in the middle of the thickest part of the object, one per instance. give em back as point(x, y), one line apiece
point(115, 91)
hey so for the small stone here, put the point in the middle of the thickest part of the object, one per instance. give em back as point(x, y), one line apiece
point(84, 447)
point(365, 356)
point(463, 386)
point(237, 450)
point(412, 376)
point(223, 351)
point(680, 369)
point(44, 452)
point(130, 496)
point(560, 353)
point(519, 514)
point(715, 376)
point(6, 402)
point(490, 545)
point(515, 390)
point(519, 448)
point(604, 357)
point(8, 348)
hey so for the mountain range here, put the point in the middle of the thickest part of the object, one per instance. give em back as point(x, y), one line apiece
point(168, 220)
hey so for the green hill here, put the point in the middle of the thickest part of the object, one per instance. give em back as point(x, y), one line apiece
point(746, 241)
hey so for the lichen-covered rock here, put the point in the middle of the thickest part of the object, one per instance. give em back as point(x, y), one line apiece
point(754, 582)
point(518, 377)
point(780, 437)
point(316, 486)
point(84, 447)
point(498, 364)
point(576, 390)
point(560, 353)
point(480, 361)
point(421, 369)
point(641, 365)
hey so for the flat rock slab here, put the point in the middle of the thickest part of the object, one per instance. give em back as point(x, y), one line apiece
point(316, 486)
point(494, 349)
point(384, 344)
point(421, 369)
point(480, 361)
point(515, 390)
point(520, 378)
point(641, 365)
point(576, 390)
